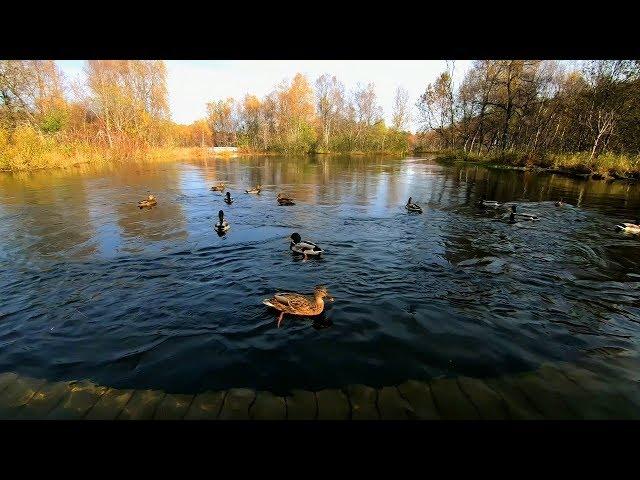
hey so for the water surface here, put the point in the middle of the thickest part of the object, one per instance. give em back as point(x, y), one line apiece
point(93, 287)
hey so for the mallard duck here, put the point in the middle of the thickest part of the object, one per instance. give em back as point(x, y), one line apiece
point(629, 227)
point(488, 203)
point(297, 304)
point(559, 203)
point(228, 200)
point(255, 189)
point(218, 188)
point(149, 202)
point(284, 199)
point(304, 248)
point(222, 225)
point(413, 207)
point(523, 216)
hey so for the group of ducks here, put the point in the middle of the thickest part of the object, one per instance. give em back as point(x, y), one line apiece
point(287, 302)
point(313, 305)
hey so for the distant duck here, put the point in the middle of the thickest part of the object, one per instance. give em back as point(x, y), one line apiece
point(512, 218)
point(488, 203)
point(297, 304)
point(559, 203)
point(228, 200)
point(413, 207)
point(629, 227)
point(255, 189)
point(222, 226)
point(218, 188)
point(523, 216)
point(284, 199)
point(303, 247)
point(149, 202)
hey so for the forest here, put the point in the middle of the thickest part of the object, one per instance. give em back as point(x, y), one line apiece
point(516, 112)
point(121, 111)
point(526, 112)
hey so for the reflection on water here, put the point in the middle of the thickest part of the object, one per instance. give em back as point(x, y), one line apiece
point(93, 287)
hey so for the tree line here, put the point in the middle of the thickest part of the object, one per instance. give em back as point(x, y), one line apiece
point(534, 108)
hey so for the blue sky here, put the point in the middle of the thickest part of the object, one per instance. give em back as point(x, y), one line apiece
point(192, 83)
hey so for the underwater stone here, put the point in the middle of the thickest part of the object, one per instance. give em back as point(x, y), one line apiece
point(110, 405)
point(268, 407)
point(452, 404)
point(301, 405)
point(418, 394)
point(392, 406)
point(81, 397)
point(332, 405)
point(49, 396)
point(17, 394)
point(518, 406)
point(544, 396)
point(206, 406)
point(488, 402)
point(236, 404)
point(173, 407)
point(142, 405)
point(363, 402)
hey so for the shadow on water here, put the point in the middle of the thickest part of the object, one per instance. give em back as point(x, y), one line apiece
point(94, 287)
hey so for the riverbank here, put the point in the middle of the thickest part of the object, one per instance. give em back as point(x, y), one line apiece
point(602, 167)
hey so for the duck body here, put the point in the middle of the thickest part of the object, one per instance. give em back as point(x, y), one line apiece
point(559, 203)
point(284, 199)
point(304, 247)
point(254, 190)
point(228, 200)
point(218, 188)
point(222, 225)
point(628, 227)
point(148, 202)
point(298, 304)
point(488, 203)
point(522, 216)
point(413, 207)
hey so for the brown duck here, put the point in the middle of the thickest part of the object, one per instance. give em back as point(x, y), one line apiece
point(149, 202)
point(285, 199)
point(297, 304)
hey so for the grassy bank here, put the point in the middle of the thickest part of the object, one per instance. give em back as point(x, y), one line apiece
point(29, 150)
point(604, 166)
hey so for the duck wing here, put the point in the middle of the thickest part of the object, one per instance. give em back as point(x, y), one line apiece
point(294, 301)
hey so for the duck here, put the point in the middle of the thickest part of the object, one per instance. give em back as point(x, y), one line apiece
point(559, 203)
point(218, 188)
point(629, 227)
point(298, 304)
point(488, 203)
point(149, 202)
point(284, 199)
point(222, 225)
point(523, 216)
point(255, 189)
point(228, 200)
point(304, 247)
point(413, 207)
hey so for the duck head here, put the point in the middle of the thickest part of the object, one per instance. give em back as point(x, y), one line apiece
point(409, 201)
point(221, 215)
point(295, 237)
point(513, 208)
point(228, 196)
point(321, 292)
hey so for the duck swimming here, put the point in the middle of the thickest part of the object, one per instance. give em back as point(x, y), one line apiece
point(488, 203)
point(523, 216)
point(255, 189)
point(413, 207)
point(629, 227)
point(284, 199)
point(559, 203)
point(228, 200)
point(218, 188)
point(304, 248)
point(222, 226)
point(297, 304)
point(149, 202)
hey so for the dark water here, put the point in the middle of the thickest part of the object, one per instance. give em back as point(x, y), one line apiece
point(93, 287)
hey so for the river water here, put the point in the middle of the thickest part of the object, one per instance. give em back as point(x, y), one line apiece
point(93, 287)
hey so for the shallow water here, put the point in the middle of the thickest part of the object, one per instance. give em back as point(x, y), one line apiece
point(93, 287)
